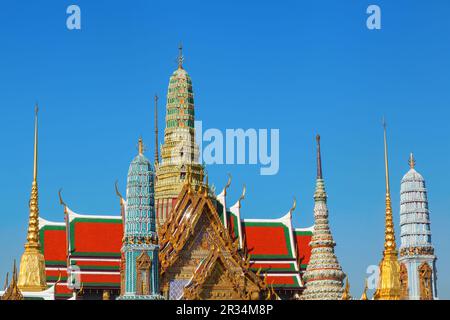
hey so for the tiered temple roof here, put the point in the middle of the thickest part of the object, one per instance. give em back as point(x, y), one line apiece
point(93, 242)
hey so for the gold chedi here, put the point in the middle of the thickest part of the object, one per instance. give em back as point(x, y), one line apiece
point(389, 279)
point(32, 264)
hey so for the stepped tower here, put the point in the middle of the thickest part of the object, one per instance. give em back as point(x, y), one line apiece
point(389, 278)
point(140, 244)
point(32, 264)
point(417, 258)
point(179, 152)
point(323, 277)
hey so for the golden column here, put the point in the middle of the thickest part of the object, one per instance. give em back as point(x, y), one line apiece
point(32, 264)
point(389, 278)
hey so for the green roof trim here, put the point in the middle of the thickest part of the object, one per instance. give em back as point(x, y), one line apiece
point(50, 228)
point(56, 263)
point(96, 254)
point(107, 268)
point(104, 284)
point(303, 233)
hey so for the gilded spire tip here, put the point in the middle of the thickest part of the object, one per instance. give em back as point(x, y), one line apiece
point(140, 146)
point(412, 161)
point(35, 160)
point(386, 163)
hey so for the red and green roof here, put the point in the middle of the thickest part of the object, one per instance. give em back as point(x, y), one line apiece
point(94, 236)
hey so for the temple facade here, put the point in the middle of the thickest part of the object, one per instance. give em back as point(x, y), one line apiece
point(417, 257)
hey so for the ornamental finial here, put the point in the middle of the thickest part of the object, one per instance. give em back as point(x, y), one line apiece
point(156, 130)
point(319, 159)
point(364, 294)
point(346, 293)
point(386, 163)
point(180, 56)
point(36, 110)
point(242, 197)
point(228, 184)
point(140, 146)
point(412, 161)
point(61, 201)
point(294, 206)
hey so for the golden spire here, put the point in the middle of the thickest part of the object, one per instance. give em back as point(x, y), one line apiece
point(389, 241)
point(389, 279)
point(32, 264)
point(412, 161)
point(364, 294)
point(12, 292)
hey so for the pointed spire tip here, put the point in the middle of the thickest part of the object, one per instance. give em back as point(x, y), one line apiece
point(412, 161)
point(319, 158)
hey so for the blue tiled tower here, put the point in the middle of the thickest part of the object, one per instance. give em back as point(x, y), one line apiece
point(140, 244)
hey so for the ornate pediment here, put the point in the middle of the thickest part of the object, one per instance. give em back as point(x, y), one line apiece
point(198, 251)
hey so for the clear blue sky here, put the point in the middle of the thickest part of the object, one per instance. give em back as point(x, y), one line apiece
point(304, 67)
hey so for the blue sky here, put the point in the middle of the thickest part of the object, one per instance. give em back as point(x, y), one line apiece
point(304, 67)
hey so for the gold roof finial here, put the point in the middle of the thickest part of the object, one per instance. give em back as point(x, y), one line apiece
point(206, 184)
point(412, 161)
point(140, 146)
point(346, 293)
point(35, 167)
point(389, 243)
point(364, 294)
point(294, 206)
point(61, 201)
point(180, 56)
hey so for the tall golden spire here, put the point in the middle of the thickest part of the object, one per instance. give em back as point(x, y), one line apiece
point(389, 239)
point(389, 279)
point(32, 264)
